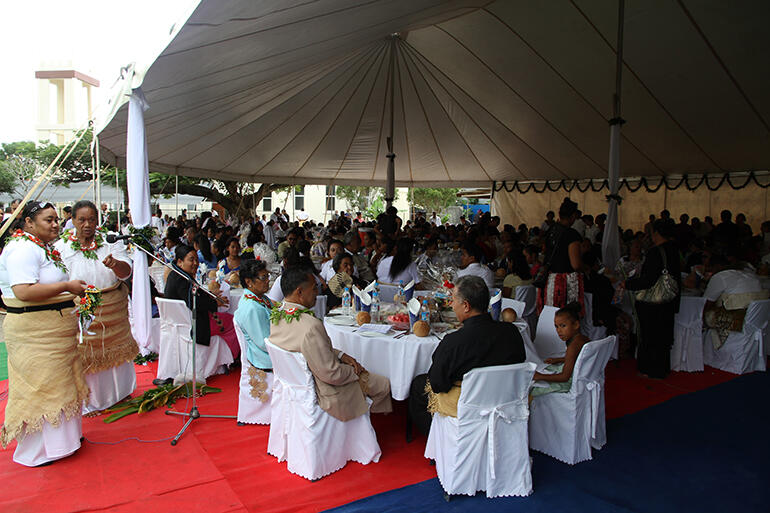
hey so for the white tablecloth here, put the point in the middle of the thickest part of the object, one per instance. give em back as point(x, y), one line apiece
point(233, 295)
point(399, 359)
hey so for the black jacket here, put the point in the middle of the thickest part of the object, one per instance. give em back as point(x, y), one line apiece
point(481, 342)
point(178, 288)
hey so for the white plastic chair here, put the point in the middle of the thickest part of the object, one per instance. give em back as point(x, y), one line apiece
point(527, 294)
point(486, 446)
point(174, 356)
point(251, 410)
point(314, 443)
point(547, 341)
point(587, 324)
point(518, 306)
point(743, 351)
point(567, 425)
point(687, 351)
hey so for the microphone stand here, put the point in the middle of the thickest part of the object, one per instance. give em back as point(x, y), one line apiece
point(194, 287)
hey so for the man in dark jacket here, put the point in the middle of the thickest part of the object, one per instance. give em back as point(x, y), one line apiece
point(481, 342)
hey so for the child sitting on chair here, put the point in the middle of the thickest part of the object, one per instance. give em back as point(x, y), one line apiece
point(559, 379)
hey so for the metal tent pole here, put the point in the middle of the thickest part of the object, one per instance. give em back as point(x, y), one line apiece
point(390, 183)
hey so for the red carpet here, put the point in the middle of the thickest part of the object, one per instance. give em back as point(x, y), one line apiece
point(220, 467)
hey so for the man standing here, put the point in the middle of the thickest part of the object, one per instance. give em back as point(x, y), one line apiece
point(342, 384)
point(436, 221)
point(481, 342)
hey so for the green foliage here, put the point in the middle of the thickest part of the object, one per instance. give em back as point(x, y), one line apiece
point(434, 199)
point(359, 198)
point(375, 209)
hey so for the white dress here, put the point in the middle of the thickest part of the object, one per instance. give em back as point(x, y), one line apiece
point(30, 265)
point(410, 273)
point(111, 385)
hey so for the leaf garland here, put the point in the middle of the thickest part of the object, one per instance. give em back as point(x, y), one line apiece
point(290, 314)
point(69, 236)
point(50, 253)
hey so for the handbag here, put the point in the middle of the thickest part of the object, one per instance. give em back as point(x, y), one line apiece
point(665, 288)
point(541, 279)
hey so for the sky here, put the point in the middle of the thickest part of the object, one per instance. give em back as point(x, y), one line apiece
point(96, 37)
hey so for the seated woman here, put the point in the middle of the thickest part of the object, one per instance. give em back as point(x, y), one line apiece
point(399, 267)
point(253, 317)
point(343, 277)
point(205, 256)
point(335, 247)
point(232, 260)
point(518, 273)
point(567, 322)
point(207, 321)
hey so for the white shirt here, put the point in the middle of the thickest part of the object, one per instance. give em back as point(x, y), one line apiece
point(24, 262)
point(410, 273)
point(69, 224)
point(91, 271)
point(436, 221)
point(482, 271)
point(276, 294)
point(580, 227)
point(327, 271)
point(731, 281)
point(302, 216)
point(592, 232)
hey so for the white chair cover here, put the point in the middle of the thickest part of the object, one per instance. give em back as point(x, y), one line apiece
point(486, 446)
point(250, 409)
point(157, 273)
point(518, 306)
point(176, 346)
point(320, 307)
point(587, 324)
point(313, 442)
point(154, 340)
point(387, 292)
point(687, 351)
point(567, 425)
point(743, 351)
point(547, 341)
point(527, 294)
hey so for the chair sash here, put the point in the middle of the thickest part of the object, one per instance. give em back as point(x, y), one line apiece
point(508, 412)
point(594, 388)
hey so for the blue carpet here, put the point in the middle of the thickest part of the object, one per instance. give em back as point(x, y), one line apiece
point(706, 451)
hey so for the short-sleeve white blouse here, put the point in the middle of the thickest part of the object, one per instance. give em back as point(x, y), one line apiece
point(92, 271)
point(24, 262)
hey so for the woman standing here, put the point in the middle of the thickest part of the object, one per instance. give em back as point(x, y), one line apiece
point(564, 284)
point(46, 387)
point(108, 354)
point(656, 320)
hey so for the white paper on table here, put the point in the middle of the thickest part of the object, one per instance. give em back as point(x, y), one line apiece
point(377, 328)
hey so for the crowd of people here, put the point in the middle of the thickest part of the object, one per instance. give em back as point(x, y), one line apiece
point(45, 264)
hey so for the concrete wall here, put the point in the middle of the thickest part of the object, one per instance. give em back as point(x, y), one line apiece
point(530, 208)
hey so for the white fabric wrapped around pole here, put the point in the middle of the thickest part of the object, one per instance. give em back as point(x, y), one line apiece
point(611, 237)
point(138, 181)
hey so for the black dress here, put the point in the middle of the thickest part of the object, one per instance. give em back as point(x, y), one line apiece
point(656, 321)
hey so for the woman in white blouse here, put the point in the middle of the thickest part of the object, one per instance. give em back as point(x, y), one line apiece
point(399, 267)
point(108, 354)
point(46, 387)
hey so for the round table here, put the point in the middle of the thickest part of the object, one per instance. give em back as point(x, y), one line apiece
point(399, 359)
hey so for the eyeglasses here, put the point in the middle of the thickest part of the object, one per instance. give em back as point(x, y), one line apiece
point(37, 207)
point(263, 278)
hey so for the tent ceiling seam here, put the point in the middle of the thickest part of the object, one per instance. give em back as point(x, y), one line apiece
point(397, 70)
point(382, 122)
point(532, 107)
point(427, 120)
point(358, 124)
point(723, 65)
point(443, 109)
point(647, 89)
point(568, 83)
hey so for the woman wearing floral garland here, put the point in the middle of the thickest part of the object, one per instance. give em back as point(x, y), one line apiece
point(46, 387)
point(108, 354)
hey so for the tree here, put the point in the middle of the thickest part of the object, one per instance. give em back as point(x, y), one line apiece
point(359, 198)
point(434, 199)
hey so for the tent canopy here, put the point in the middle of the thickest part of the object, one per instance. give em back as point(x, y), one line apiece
point(299, 92)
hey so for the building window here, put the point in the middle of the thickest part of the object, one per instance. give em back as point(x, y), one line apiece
point(267, 204)
point(299, 197)
point(330, 199)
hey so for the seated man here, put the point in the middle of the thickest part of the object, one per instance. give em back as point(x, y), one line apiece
point(342, 384)
point(728, 295)
point(481, 342)
point(471, 265)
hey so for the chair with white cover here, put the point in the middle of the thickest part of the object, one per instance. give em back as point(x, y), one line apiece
point(319, 309)
point(743, 351)
point(251, 410)
point(587, 324)
point(176, 345)
point(518, 306)
point(486, 446)
point(567, 425)
point(547, 341)
point(527, 294)
point(387, 292)
point(687, 351)
point(314, 443)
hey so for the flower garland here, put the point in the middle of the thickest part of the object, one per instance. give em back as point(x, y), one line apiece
point(89, 252)
point(264, 301)
point(290, 314)
point(50, 253)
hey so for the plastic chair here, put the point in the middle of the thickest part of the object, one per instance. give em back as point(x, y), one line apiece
point(567, 425)
point(486, 446)
point(687, 351)
point(314, 443)
point(587, 324)
point(174, 356)
point(251, 410)
point(527, 294)
point(743, 351)
point(547, 341)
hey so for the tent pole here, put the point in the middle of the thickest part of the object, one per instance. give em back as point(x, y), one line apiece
point(390, 184)
point(176, 193)
point(117, 195)
point(611, 237)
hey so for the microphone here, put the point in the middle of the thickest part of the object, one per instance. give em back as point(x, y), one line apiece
point(112, 238)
